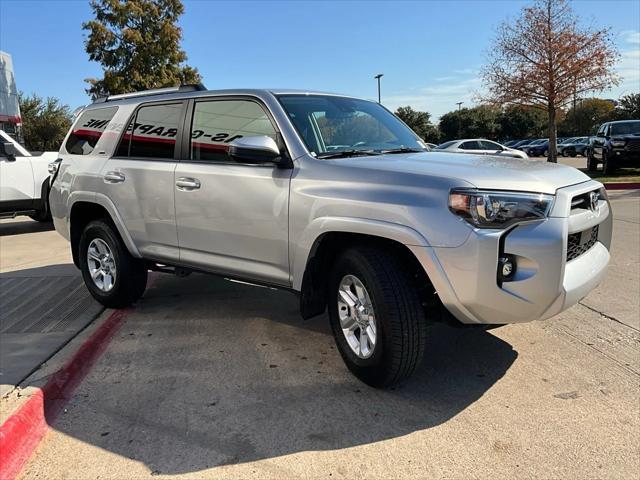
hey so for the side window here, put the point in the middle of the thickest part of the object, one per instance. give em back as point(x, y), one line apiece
point(153, 133)
point(486, 145)
point(217, 123)
point(471, 145)
point(601, 129)
point(88, 129)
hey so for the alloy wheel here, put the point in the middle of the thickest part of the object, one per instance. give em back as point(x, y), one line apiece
point(357, 316)
point(101, 265)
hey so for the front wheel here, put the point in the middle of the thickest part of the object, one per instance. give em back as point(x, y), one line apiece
point(376, 316)
point(112, 275)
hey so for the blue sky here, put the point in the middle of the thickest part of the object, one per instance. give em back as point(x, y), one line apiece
point(429, 51)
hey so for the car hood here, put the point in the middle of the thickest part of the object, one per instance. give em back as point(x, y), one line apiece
point(629, 136)
point(482, 171)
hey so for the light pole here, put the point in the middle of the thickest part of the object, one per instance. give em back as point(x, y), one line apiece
point(459, 105)
point(377, 77)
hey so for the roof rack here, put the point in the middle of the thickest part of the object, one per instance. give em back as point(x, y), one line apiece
point(191, 87)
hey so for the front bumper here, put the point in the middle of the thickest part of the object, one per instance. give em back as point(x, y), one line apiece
point(545, 282)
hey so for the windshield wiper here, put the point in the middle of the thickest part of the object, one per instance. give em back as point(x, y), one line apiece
point(404, 150)
point(347, 153)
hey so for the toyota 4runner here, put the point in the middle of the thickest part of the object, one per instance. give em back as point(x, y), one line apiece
point(333, 198)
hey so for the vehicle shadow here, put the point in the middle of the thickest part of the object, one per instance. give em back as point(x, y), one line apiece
point(19, 227)
point(206, 372)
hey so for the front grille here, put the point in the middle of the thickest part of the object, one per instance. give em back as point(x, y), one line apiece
point(581, 242)
point(633, 145)
point(583, 201)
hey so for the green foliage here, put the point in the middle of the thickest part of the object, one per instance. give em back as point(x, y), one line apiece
point(586, 117)
point(519, 122)
point(419, 122)
point(476, 122)
point(138, 44)
point(629, 107)
point(44, 122)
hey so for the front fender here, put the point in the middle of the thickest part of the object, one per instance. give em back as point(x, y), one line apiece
point(304, 245)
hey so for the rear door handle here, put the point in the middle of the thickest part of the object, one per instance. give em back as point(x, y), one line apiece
point(113, 177)
point(187, 184)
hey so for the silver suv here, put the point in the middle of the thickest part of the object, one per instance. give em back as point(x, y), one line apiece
point(333, 198)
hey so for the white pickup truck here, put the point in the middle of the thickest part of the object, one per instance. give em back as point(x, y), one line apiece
point(24, 180)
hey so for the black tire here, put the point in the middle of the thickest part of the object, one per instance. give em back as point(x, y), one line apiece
point(545, 153)
point(572, 153)
point(607, 165)
point(131, 273)
point(44, 214)
point(400, 317)
point(592, 163)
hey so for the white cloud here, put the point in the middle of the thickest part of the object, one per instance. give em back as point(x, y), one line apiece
point(631, 36)
point(440, 97)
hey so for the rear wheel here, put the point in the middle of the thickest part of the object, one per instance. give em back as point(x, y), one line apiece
point(592, 163)
point(607, 165)
point(111, 274)
point(43, 214)
point(376, 316)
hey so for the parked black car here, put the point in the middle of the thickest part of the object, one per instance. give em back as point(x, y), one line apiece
point(617, 144)
point(575, 146)
point(537, 148)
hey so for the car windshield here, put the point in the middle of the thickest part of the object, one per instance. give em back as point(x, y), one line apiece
point(329, 125)
point(445, 145)
point(625, 128)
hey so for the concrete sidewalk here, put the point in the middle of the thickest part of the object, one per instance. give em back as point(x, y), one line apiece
point(43, 301)
point(215, 379)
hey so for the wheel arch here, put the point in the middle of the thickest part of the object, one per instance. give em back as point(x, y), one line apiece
point(316, 257)
point(84, 211)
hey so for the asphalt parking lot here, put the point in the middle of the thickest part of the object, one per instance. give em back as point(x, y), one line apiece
point(213, 378)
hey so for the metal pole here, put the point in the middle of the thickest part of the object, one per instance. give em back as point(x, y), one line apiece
point(377, 77)
point(459, 105)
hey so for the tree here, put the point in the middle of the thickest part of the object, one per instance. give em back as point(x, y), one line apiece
point(138, 44)
point(629, 107)
point(419, 122)
point(476, 122)
point(519, 122)
point(545, 59)
point(586, 116)
point(44, 122)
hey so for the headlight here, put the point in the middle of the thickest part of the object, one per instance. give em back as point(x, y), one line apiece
point(493, 209)
point(617, 143)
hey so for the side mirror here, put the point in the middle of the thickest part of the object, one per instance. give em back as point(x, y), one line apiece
point(259, 149)
point(10, 151)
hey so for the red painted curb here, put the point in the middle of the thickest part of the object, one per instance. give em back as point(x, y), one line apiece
point(622, 186)
point(22, 431)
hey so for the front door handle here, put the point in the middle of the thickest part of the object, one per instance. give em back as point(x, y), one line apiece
point(187, 184)
point(113, 177)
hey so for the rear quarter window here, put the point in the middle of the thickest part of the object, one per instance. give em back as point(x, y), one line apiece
point(88, 130)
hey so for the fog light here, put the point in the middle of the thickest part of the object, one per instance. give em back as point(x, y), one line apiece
point(506, 267)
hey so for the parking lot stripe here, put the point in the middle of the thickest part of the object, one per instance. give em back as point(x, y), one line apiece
point(21, 433)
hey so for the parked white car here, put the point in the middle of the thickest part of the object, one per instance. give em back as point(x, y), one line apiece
point(24, 180)
point(480, 146)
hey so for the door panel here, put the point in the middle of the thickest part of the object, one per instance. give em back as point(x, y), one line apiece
point(144, 199)
point(140, 179)
point(232, 217)
point(236, 222)
point(16, 180)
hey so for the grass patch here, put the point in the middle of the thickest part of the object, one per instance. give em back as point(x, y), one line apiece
point(622, 175)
